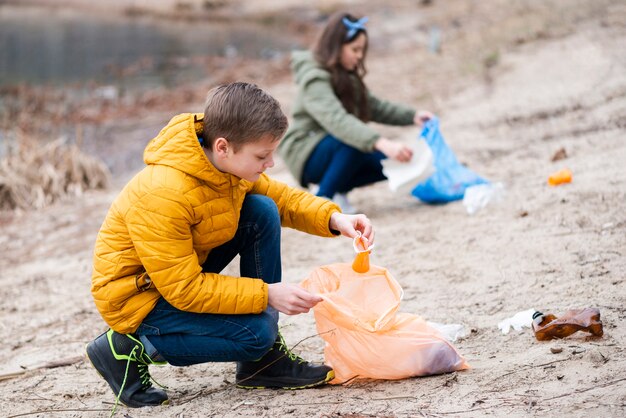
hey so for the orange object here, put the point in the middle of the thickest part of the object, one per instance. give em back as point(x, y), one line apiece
point(361, 263)
point(548, 327)
point(560, 177)
point(366, 336)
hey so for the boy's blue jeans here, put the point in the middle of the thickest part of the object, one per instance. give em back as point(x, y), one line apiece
point(185, 338)
point(339, 168)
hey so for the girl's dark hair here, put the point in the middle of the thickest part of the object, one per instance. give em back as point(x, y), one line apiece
point(347, 85)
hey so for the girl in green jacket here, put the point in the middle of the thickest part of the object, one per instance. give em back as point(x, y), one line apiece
point(329, 142)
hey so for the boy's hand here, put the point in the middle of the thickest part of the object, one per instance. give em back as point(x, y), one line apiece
point(291, 299)
point(348, 225)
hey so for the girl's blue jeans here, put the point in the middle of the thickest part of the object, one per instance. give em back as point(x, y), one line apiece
point(339, 168)
point(185, 338)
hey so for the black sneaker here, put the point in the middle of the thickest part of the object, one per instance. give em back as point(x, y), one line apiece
point(280, 368)
point(122, 361)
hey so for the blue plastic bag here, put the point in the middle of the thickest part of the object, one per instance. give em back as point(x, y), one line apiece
point(451, 178)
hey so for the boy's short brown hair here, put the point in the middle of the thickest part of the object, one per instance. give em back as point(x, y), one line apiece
point(241, 113)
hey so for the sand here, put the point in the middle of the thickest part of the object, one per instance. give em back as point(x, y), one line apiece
point(553, 81)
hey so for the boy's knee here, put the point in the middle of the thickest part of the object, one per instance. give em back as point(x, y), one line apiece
point(261, 202)
point(264, 207)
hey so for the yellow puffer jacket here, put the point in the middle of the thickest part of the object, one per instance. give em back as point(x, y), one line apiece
point(164, 223)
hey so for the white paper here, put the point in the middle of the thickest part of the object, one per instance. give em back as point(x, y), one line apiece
point(403, 177)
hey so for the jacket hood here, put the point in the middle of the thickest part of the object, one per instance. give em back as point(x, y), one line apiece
point(305, 67)
point(177, 146)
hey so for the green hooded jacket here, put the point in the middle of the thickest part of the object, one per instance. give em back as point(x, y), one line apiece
point(317, 112)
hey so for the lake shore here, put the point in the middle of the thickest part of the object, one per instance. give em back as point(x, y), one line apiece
point(513, 85)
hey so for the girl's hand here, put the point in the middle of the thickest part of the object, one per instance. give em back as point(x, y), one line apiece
point(422, 116)
point(348, 225)
point(291, 299)
point(394, 150)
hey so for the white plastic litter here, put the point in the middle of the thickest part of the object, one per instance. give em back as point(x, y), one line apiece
point(403, 177)
point(450, 332)
point(517, 321)
point(478, 196)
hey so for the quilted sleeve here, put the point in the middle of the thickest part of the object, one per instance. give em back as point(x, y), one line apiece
point(159, 225)
point(298, 209)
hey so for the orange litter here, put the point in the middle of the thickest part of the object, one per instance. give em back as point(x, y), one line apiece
point(560, 177)
point(361, 263)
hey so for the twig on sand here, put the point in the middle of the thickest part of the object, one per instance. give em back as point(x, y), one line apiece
point(585, 390)
point(393, 398)
point(530, 366)
point(200, 393)
point(544, 399)
point(7, 376)
point(50, 365)
point(46, 411)
point(191, 398)
point(60, 363)
point(471, 410)
point(316, 403)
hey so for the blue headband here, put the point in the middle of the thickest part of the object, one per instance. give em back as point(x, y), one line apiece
point(354, 27)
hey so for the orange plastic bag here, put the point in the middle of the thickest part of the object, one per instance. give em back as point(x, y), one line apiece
point(365, 335)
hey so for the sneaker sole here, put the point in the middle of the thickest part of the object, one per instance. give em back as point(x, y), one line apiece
point(93, 364)
point(329, 376)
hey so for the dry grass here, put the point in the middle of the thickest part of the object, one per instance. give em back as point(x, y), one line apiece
point(37, 175)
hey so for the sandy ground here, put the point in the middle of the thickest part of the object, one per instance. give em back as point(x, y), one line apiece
point(506, 107)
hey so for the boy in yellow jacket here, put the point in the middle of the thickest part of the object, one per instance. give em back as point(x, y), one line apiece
point(202, 199)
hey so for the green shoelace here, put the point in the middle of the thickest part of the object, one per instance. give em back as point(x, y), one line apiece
point(285, 349)
point(144, 375)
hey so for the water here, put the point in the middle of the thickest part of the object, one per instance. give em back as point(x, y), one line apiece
point(87, 55)
point(46, 46)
